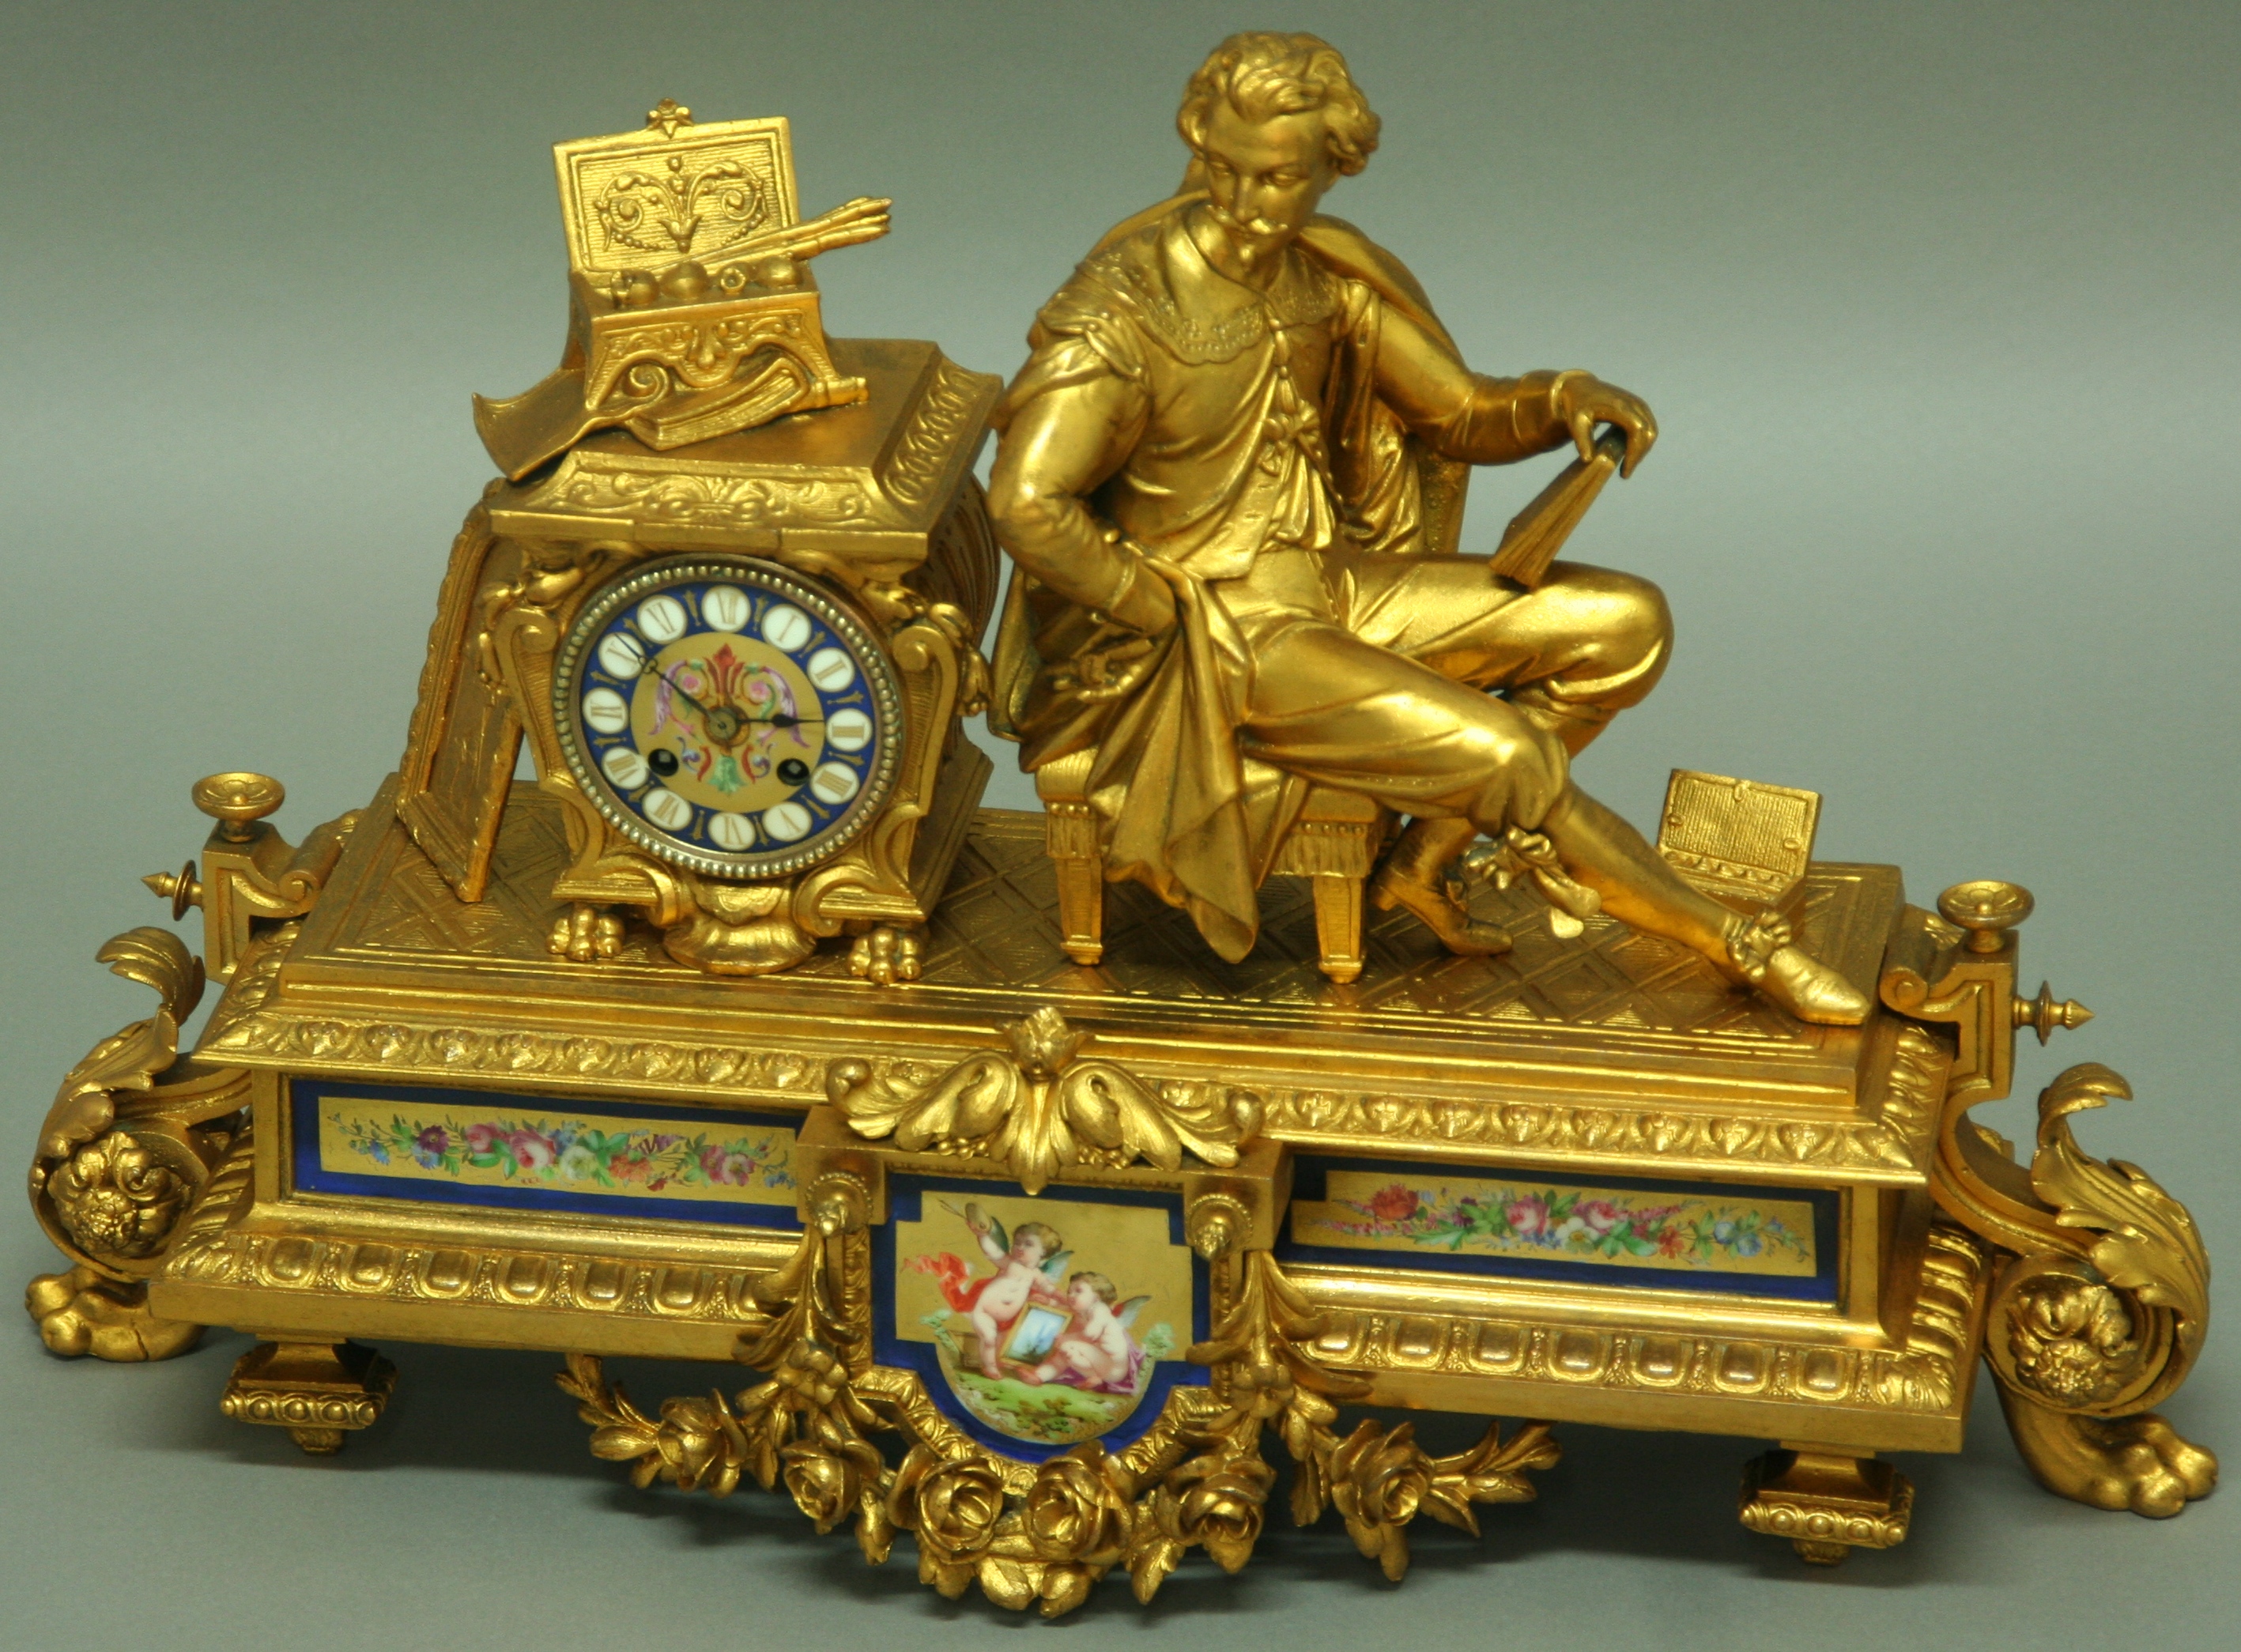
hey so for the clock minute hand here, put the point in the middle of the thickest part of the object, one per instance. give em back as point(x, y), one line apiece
point(653, 669)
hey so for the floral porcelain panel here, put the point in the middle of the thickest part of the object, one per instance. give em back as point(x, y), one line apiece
point(1622, 1232)
point(530, 1151)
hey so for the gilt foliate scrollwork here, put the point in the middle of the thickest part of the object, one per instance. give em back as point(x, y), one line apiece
point(805, 1426)
point(654, 212)
point(116, 1197)
point(1378, 1478)
point(128, 1142)
point(2143, 1242)
point(2102, 1320)
point(2108, 1317)
point(133, 1131)
point(1041, 1106)
point(128, 1059)
point(1044, 1534)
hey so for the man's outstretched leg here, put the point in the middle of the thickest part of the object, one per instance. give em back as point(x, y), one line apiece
point(1638, 888)
point(1435, 748)
point(1573, 653)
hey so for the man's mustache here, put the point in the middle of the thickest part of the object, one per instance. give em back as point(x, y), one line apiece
point(1249, 226)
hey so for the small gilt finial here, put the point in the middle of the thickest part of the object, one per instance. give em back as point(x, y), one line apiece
point(238, 800)
point(668, 115)
point(1986, 908)
point(182, 888)
point(2045, 1013)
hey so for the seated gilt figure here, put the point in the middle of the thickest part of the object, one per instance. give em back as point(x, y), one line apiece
point(1231, 475)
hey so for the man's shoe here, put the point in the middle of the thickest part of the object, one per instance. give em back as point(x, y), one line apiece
point(1762, 954)
point(1811, 991)
point(1460, 932)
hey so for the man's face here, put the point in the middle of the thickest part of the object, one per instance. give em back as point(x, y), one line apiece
point(1266, 177)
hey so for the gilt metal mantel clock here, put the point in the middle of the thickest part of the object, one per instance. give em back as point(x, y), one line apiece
point(1045, 1179)
point(842, 556)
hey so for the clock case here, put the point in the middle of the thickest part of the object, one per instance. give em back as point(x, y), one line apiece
point(446, 968)
point(874, 505)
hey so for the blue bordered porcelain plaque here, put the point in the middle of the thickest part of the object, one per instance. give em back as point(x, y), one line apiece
point(1039, 1323)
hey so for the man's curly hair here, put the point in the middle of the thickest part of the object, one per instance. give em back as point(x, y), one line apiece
point(1266, 74)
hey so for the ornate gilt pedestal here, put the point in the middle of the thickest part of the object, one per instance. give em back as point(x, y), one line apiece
point(453, 1135)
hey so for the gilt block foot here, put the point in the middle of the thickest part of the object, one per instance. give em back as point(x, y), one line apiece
point(1827, 1502)
point(316, 1391)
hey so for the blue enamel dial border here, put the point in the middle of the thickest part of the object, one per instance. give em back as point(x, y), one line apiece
point(875, 692)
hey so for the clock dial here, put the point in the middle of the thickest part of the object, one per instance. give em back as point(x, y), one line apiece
point(727, 715)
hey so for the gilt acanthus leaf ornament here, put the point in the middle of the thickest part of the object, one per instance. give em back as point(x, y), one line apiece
point(2145, 1240)
point(130, 1059)
point(1039, 1106)
point(2101, 1320)
point(2111, 1329)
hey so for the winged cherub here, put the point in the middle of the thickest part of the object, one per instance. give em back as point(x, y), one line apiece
point(1030, 1262)
point(1097, 1351)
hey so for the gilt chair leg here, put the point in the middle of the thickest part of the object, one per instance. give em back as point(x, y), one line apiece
point(1338, 926)
point(1071, 838)
point(1082, 910)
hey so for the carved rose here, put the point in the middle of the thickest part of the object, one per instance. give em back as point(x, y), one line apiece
point(690, 1446)
point(1075, 1514)
point(953, 1507)
point(2071, 1340)
point(1217, 1502)
point(825, 1487)
point(115, 1199)
point(693, 1446)
point(1378, 1482)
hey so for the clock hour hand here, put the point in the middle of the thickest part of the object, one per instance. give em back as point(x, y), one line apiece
point(722, 723)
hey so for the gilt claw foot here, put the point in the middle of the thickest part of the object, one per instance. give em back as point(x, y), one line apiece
point(2139, 1463)
point(587, 934)
point(83, 1311)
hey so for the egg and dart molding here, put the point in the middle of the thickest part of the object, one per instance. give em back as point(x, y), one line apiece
point(1063, 1187)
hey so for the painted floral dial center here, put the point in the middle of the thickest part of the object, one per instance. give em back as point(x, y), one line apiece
point(727, 716)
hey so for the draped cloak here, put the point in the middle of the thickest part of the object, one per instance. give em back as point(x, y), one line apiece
point(1176, 804)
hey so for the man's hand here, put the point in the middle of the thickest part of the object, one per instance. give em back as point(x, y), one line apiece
point(1144, 605)
point(1584, 401)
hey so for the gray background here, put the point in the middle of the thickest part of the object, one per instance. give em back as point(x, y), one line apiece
point(1936, 304)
